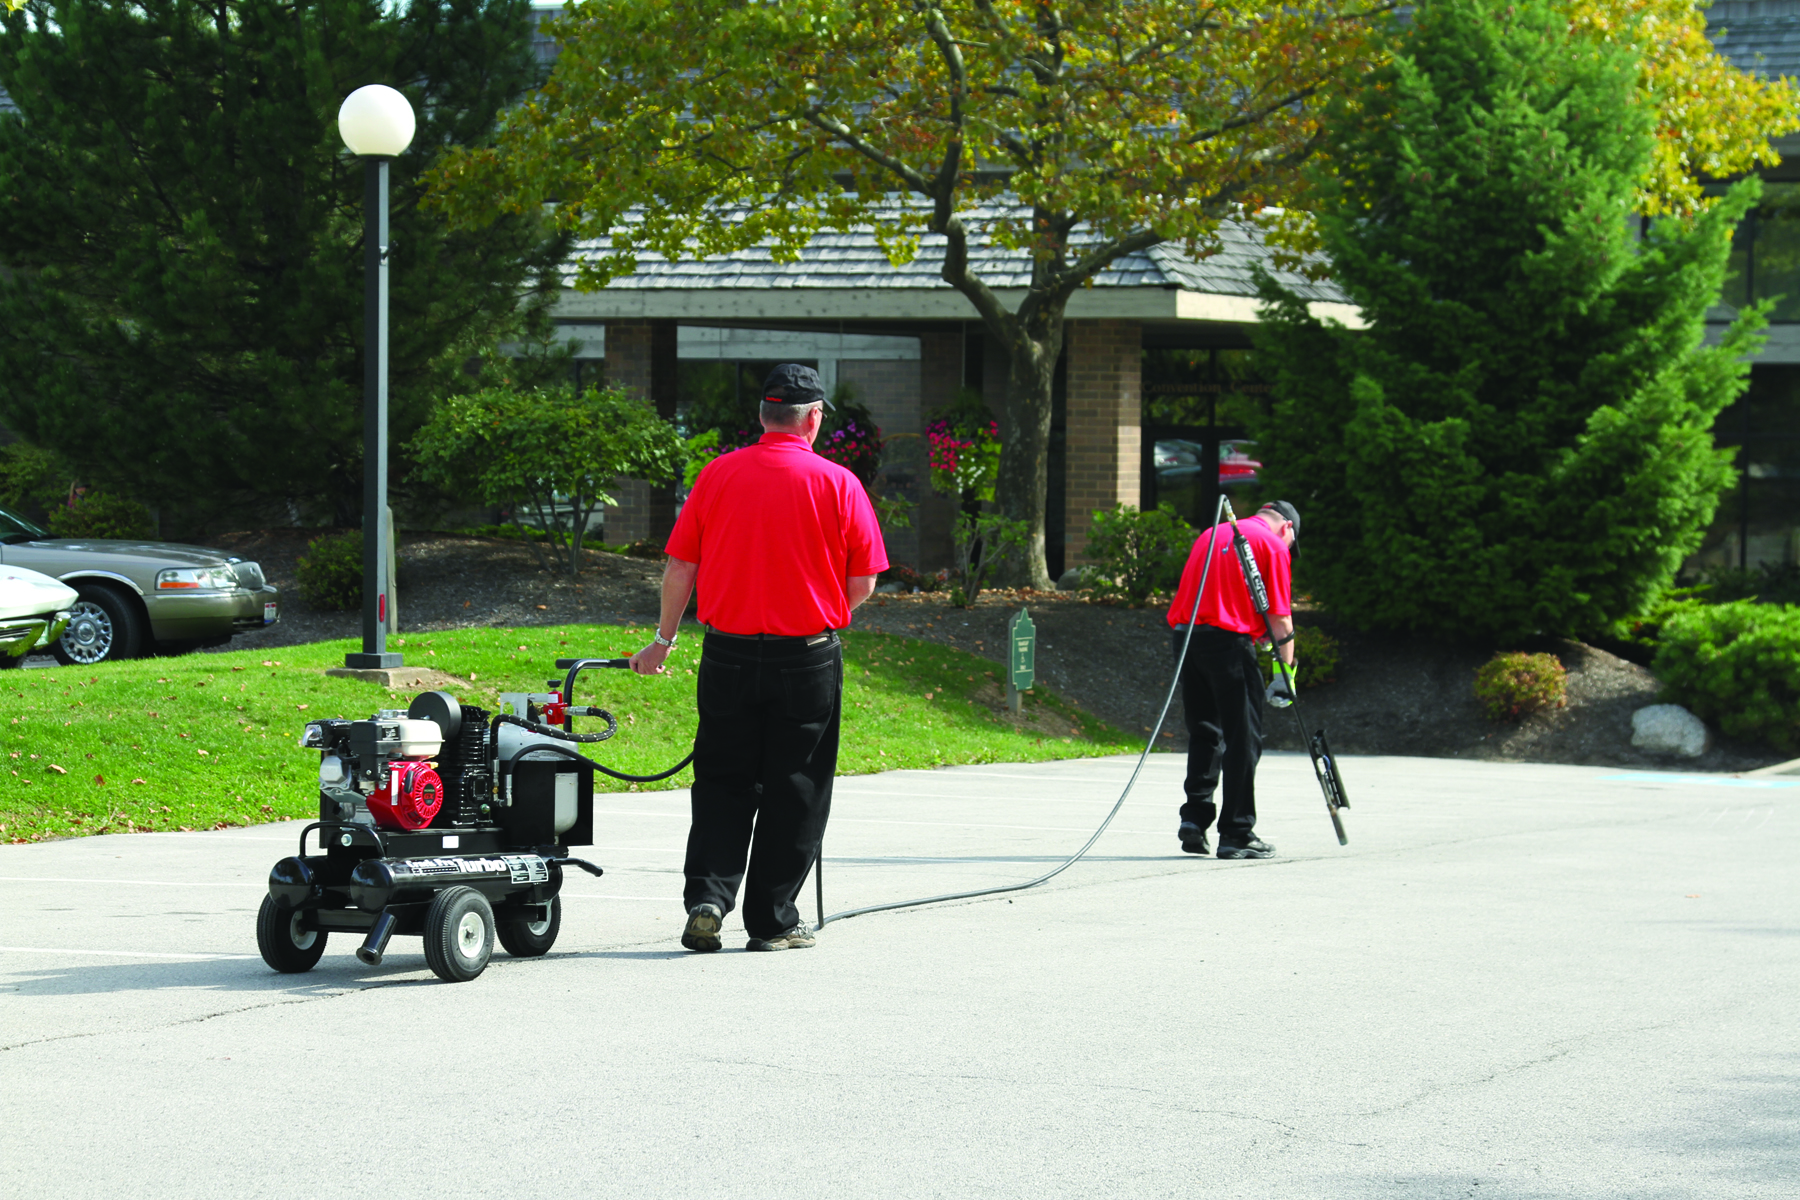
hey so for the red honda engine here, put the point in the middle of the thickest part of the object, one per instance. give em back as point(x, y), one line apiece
point(409, 798)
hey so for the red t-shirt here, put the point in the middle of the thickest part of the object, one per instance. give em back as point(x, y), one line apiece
point(1227, 603)
point(776, 530)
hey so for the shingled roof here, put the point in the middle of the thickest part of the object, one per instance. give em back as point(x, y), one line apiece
point(1759, 36)
point(850, 269)
point(855, 260)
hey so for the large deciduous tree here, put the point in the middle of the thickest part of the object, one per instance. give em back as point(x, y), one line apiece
point(1520, 440)
point(1073, 132)
point(181, 284)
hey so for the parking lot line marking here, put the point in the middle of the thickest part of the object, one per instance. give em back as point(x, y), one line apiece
point(1709, 780)
point(122, 953)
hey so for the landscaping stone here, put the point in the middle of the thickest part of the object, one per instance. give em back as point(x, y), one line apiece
point(1669, 729)
point(1070, 580)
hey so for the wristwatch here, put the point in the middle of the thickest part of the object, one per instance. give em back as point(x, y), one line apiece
point(669, 642)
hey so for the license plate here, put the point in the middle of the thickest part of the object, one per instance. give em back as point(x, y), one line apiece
point(271, 613)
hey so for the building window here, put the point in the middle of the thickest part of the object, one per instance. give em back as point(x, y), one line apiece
point(1765, 254)
point(1758, 523)
point(1199, 407)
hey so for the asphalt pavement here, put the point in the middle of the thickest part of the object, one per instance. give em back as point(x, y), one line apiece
point(1516, 981)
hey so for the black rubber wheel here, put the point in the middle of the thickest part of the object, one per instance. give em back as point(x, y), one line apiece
point(526, 937)
point(9, 662)
point(106, 627)
point(459, 934)
point(286, 946)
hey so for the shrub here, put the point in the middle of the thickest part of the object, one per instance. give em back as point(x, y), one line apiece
point(1736, 665)
point(549, 453)
point(511, 533)
point(1136, 553)
point(912, 580)
point(983, 543)
point(1513, 684)
point(102, 515)
point(1317, 652)
point(331, 572)
point(1772, 583)
point(33, 481)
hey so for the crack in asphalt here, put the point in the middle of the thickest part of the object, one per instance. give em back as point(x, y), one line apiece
point(199, 1018)
point(1564, 1047)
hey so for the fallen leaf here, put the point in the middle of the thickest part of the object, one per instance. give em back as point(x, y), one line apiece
point(204, 753)
point(99, 781)
point(57, 769)
point(300, 706)
point(141, 781)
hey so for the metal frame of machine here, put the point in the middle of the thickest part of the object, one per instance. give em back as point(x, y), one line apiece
point(436, 821)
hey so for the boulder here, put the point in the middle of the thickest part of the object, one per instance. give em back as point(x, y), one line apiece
point(1070, 580)
point(1670, 729)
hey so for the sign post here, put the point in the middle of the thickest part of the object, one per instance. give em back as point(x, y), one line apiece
point(1021, 658)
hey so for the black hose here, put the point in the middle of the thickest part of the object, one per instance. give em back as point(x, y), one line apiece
point(612, 727)
point(564, 752)
point(1149, 745)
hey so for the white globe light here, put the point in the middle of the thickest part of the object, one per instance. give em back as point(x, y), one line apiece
point(376, 122)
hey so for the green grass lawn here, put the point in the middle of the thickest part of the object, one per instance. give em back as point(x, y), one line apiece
point(209, 740)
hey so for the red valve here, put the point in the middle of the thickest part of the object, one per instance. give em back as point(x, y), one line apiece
point(555, 710)
point(411, 797)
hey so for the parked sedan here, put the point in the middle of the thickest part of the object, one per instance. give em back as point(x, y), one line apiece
point(34, 610)
point(133, 597)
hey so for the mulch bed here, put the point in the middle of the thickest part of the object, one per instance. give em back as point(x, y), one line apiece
point(1390, 694)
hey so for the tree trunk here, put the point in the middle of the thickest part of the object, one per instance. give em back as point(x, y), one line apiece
point(1034, 346)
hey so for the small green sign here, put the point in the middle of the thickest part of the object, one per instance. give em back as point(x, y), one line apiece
point(1022, 659)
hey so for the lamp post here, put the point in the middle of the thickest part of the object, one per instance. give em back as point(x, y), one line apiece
point(376, 123)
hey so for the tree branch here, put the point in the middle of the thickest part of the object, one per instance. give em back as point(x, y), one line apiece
point(956, 273)
point(843, 133)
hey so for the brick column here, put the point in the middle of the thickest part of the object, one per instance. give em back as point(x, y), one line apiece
point(628, 365)
point(662, 395)
point(1105, 424)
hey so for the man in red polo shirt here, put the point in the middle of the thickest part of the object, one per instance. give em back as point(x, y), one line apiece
point(1222, 690)
point(782, 544)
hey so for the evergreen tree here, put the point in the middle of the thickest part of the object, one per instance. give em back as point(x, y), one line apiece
point(181, 279)
point(1520, 441)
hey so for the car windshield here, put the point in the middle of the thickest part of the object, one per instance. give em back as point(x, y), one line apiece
point(14, 529)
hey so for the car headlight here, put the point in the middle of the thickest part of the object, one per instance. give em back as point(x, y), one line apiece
point(191, 579)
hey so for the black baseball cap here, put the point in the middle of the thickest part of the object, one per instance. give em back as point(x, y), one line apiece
point(791, 383)
point(1286, 512)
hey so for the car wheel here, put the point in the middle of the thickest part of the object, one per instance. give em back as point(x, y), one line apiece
point(106, 627)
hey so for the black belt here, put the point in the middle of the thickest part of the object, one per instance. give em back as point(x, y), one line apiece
point(817, 639)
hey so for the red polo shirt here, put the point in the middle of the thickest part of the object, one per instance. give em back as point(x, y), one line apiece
point(776, 530)
point(1227, 603)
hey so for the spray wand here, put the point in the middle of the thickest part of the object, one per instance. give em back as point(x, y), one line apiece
point(1324, 763)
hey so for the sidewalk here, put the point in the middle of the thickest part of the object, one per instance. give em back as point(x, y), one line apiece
point(1516, 981)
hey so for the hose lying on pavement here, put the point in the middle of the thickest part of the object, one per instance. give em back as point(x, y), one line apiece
point(1149, 744)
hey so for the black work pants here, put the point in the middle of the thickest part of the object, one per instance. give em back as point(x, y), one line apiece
point(1222, 693)
point(764, 758)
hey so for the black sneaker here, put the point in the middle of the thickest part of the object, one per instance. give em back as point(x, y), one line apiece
point(1193, 839)
point(1254, 848)
point(797, 938)
point(702, 932)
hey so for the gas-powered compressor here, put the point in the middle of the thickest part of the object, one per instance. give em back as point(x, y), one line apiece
point(445, 821)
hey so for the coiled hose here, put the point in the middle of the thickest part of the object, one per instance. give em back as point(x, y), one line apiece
point(612, 727)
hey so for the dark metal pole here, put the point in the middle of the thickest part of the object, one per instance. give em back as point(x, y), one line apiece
point(375, 420)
